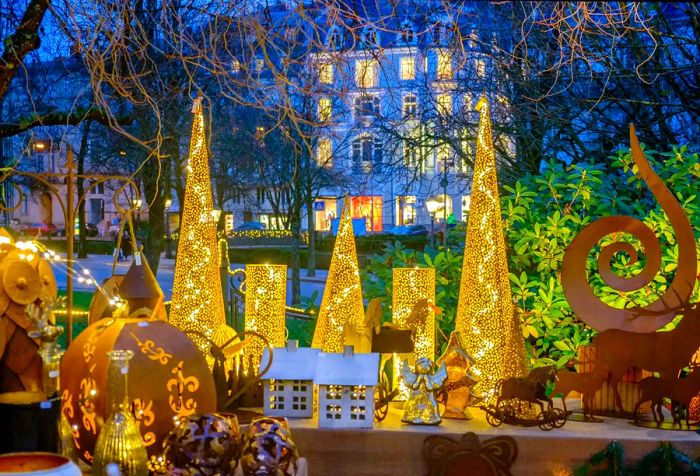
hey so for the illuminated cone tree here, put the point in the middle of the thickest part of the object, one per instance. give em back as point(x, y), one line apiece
point(197, 303)
point(485, 313)
point(342, 298)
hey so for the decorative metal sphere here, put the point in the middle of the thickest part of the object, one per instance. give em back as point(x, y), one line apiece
point(203, 445)
point(268, 449)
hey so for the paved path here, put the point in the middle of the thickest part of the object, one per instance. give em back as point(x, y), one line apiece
point(100, 267)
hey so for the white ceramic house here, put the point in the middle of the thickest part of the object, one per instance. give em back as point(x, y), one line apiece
point(289, 384)
point(346, 389)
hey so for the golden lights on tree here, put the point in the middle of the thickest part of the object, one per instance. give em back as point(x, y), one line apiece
point(197, 302)
point(342, 298)
point(265, 300)
point(485, 313)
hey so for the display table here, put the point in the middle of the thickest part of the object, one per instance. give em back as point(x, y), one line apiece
point(394, 448)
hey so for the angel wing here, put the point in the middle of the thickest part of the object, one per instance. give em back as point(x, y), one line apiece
point(407, 375)
point(438, 378)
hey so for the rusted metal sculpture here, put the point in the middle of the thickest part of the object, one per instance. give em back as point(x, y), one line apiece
point(574, 276)
point(680, 391)
point(627, 338)
point(586, 383)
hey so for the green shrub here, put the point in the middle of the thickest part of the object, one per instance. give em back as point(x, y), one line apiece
point(542, 214)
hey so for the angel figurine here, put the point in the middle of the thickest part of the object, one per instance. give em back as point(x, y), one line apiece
point(421, 408)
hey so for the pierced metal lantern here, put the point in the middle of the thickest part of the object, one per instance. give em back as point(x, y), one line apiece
point(168, 379)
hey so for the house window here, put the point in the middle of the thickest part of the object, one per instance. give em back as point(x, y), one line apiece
point(324, 153)
point(259, 64)
point(444, 65)
point(235, 66)
point(407, 34)
point(443, 157)
point(480, 68)
point(366, 105)
point(334, 392)
point(444, 103)
point(411, 157)
point(324, 109)
point(408, 68)
point(333, 412)
point(410, 105)
point(366, 73)
point(325, 73)
point(371, 37)
point(335, 38)
point(359, 392)
point(260, 195)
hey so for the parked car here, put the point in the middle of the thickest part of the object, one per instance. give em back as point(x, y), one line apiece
point(38, 229)
point(90, 229)
point(410, 230)
point(250, 226)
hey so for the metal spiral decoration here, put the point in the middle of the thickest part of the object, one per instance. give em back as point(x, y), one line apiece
point(577, 289)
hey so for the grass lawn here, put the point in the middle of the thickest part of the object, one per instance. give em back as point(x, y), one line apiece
point(81, 302)
point(298, 329)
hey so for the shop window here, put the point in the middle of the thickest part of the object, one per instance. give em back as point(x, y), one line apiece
point(368, 207)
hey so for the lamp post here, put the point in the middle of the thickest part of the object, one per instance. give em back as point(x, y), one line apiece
point(432, 204)
point(168, 250)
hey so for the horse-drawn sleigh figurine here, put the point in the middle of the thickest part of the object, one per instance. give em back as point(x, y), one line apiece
point(516, 392)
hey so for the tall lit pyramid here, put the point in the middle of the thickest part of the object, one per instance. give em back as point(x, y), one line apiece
point(485, 313)
point(197, 303)
point(342, 298)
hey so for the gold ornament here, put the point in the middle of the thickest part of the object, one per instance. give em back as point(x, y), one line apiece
point(485, 312)
point(198, 303)
point(459, 380)
point(342, 304)
point(421, 408)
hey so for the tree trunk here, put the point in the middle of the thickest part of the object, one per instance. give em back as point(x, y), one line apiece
point(80, 186)
point(295, 226)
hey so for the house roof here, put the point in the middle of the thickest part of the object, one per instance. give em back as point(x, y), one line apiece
point(290, 364)
point(339, 369)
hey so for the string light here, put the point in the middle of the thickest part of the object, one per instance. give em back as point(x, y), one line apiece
point(197, 302)
point(265, 299)
point(342, 297)
point(485, 313)
point(411, 285)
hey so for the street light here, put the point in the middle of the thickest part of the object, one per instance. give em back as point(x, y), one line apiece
point(432, 204)
point(168, 250)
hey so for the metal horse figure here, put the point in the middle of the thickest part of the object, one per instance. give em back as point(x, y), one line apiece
point(531, 389)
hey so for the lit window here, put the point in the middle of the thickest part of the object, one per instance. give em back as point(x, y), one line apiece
point(410, 105)
point(444, 103)
point(325, 73)
point(444, 65)
point(366, 73)
point(408, 67)
point(411, 150)
point(235, 66)
point(259, 64)
point(324, 109)
point(324, 153)
point(480, 68)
